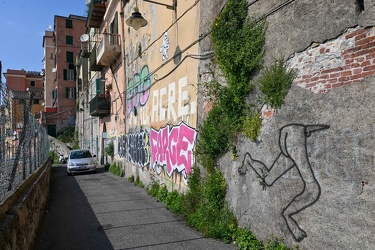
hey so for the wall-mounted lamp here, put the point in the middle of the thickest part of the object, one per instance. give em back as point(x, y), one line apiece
point(136, 20)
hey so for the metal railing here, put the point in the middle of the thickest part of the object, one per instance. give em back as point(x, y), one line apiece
point(24, 143)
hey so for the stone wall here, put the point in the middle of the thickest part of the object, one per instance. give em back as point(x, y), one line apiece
point(22, 211)
point(315, 153)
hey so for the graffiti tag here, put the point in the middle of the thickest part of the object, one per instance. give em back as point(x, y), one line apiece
point(172, 148)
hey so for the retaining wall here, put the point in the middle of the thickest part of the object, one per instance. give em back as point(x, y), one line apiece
point(22, 210)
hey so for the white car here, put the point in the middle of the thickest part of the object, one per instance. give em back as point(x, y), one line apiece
point(80, 161)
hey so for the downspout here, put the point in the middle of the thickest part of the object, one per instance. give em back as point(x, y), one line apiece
point(124, 56)
point(124, 65)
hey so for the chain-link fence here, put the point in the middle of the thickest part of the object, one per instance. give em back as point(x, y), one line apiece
point(24, 143)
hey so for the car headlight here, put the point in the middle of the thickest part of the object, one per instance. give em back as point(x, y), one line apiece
point(70, 164)
point(92, 162)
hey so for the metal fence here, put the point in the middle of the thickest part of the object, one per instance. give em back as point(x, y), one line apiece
point(24, 143)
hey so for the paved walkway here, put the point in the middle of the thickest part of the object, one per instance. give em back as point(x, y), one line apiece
point(104, 211)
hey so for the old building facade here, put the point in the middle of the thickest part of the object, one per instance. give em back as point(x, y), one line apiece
point(61, 46)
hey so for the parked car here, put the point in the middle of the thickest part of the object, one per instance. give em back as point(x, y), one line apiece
point(80, 161)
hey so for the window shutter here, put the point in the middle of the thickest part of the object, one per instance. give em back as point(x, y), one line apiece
point(67, 92)
point(65, 74)
point(97, 86)
point(69, 40)
point(75, 93)
point(69, 56)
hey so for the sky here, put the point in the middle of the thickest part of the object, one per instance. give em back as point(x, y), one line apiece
point(22, 26)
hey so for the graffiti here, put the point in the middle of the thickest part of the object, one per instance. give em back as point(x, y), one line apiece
point(121, 146)
point(172, 148)
point(293, 146)
point(138, 90)
point(138, 148)
point(165, 100)
point(165, 47)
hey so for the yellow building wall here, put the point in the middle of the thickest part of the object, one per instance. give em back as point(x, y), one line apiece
point(161, 93)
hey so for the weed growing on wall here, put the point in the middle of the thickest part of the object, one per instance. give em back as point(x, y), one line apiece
point(138, 182)
point(275, 82)
point(116, 169)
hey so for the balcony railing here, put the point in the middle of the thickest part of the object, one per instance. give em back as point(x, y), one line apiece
point(109, 49)
point(94, 66)
point(96, 13)
point(100, 106)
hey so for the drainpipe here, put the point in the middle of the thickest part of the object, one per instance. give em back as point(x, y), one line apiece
point(124, 65)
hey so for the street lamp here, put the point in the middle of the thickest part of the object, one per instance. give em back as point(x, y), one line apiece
point(137, 21)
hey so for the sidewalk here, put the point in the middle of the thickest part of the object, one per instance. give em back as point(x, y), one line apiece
point(104, 211)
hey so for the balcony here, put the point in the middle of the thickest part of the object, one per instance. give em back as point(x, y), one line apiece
point(96, 13)
point(108, 50)
point(94, 66)
point(100, 106)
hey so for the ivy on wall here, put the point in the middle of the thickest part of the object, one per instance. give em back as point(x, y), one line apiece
point(238, 43)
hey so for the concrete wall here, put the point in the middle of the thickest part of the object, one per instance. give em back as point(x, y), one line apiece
point(22, 211)
point(317, 149)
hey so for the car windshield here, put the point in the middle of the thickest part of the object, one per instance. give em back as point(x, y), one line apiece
point(80, 154)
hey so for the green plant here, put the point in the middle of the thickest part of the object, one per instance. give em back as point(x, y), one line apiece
point(274, 243)
point(54, 157)
point(275, 82)
point(116, 169)
point(162, 194)
point(131, 178)
point(106, 166)
point(173, 201)
point(109, 150)
point(138, 182)
point(251, 126)
point(238, 44)
point(153, 189)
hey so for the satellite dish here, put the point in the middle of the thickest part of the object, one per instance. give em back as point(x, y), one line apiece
point(49, 27)
point(53, 69)
point(84, 38)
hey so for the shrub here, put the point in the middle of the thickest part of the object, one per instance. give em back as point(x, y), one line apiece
point(173, 201)
point(275, 82)
point(153, 190)
point(162, 194)
point(109, 150)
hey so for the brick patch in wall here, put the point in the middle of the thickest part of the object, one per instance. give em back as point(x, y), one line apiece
point(341, 61)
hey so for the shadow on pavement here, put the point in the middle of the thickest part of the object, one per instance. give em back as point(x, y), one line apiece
point(69, 221)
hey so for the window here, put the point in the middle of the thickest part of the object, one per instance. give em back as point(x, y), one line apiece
point(32, 83)
point(53, 55)
point(113, 29)
point(69, 75)
point(68, 24)
point(71, 93)
point(69, 40)
point(54, 94)
point(69, 56)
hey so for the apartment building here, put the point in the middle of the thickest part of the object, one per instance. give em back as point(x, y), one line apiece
point(61, 46)
point(143, 74)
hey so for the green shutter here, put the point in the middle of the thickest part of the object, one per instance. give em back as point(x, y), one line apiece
point(68, 23)
point(98, 86)
point(69, 40)
point(65, 74)
point(69, 56)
